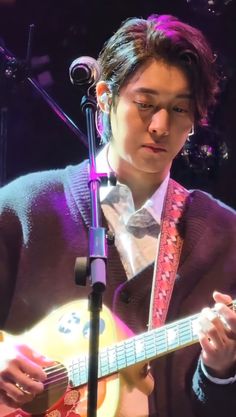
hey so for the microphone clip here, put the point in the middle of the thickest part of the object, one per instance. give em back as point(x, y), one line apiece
point(88, 101)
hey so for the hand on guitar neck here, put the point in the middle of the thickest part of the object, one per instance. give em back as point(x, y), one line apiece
point(217, 337)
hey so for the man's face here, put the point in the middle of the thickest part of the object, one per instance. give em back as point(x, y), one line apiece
point(151, 119)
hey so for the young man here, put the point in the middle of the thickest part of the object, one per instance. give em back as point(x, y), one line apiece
point(157, 84)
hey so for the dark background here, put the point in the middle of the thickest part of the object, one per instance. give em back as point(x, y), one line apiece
point(66, 29)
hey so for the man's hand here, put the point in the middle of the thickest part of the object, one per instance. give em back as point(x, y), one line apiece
point(21, 374)
point(217, 336)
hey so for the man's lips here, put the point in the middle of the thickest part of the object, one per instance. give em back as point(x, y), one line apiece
point(154, 148)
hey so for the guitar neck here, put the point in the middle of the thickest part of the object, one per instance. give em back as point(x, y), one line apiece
point(143, 347)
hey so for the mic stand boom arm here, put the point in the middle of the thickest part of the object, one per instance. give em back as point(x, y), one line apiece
point(17, 71)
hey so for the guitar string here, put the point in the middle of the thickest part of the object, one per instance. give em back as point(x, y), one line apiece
point(160, 340)
point(184, 328)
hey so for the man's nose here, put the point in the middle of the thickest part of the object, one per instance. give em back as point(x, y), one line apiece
point(160, 123)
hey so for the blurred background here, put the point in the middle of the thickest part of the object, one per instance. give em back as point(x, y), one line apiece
point(33, 138)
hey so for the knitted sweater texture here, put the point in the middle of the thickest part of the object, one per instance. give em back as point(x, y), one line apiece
point(44, 221)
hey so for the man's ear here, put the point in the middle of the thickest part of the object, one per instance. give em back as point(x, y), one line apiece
point(104, 97)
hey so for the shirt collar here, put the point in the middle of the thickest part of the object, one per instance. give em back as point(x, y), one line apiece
point(121, 192)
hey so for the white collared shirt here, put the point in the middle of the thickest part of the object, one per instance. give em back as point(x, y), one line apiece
point(137, 232)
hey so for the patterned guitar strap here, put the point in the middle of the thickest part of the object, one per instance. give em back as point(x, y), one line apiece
point(168, 256)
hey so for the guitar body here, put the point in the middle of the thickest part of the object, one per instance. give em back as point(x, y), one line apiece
point(64, 335)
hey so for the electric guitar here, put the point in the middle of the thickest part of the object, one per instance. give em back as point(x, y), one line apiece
point(65, 332)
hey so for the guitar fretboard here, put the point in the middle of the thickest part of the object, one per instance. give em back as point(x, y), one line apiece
point(143, 347)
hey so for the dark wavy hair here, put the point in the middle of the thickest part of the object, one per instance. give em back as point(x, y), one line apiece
point(164, 38)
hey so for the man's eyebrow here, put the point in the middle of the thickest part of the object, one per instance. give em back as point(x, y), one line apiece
point(152, 91)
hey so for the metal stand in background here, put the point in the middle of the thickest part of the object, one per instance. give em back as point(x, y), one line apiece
point(15, 70)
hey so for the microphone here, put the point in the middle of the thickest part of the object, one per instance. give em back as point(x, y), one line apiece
point(84, 70)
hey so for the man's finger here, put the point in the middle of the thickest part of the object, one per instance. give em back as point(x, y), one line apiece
point(219, 297)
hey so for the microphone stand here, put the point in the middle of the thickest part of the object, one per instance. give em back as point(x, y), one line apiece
point(97, 257)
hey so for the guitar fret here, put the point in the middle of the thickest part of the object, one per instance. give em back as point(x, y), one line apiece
point(78, 371)
point(150, 346)
point(140, 353)
point(129, 351)
point(103, 363)
point(194, 328)
point(172, 337)
point(186, 335)
point(120, 349)
point(108, 361)
point(160, 340)
point(112, 359)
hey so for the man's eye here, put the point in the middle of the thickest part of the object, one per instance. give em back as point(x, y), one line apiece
point(143, 106)
point(179, 109)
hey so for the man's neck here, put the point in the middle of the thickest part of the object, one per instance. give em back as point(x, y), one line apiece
point(141, 183)
point(141, 187)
